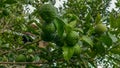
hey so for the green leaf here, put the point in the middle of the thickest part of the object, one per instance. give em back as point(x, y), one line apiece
point(115, 51)
point(68, 52)
point(98, 18)
point(77, 49)
point(88, 18)
point(68, 28)
point(113, 38)
point(118, 22)
point(60, 26)
point(23, 27)
point(99, 47)
point(112, 21)
point(73, 23)
point(5, 46)
point(79, 30)
point(72, 17)
point(88, 40)
point(106, 39)
point(73, 20)
point(10, 1)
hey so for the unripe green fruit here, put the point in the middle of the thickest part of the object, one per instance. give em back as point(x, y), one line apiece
point(47, 37)
point(20, 58)
point(30, 51)
point(48, 28)
point(48, 31)
point(72, 38)
point(48, 12)
point(100, 28)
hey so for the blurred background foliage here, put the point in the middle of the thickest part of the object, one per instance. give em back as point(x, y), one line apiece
point(21, 32)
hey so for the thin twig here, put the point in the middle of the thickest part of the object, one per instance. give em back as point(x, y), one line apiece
point(24, 63)
point(29, 43)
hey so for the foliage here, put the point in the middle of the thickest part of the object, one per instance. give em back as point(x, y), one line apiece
point(68, 37)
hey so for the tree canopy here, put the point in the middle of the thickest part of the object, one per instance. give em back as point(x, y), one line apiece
point(81, 34)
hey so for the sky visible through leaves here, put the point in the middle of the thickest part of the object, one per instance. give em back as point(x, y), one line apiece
point(59, 3)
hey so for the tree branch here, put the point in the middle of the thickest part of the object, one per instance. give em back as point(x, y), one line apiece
point(24, 63)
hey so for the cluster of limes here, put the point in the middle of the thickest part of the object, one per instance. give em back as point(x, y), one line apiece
point(48, 13)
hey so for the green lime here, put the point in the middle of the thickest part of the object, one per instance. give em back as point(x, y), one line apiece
point(48, 12)
point(100, 28)
point(72, 38)
point(21, 58)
